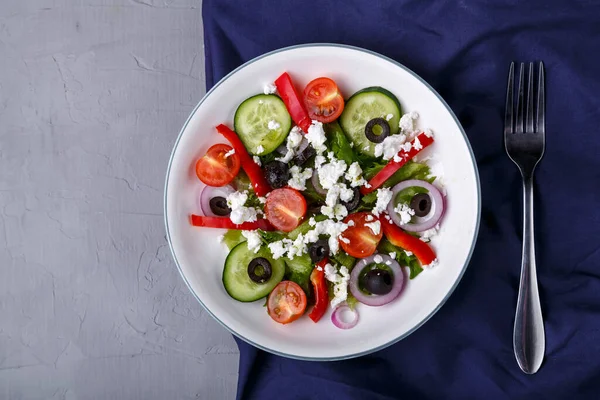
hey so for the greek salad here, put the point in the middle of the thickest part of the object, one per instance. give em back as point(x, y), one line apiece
point(326, 201)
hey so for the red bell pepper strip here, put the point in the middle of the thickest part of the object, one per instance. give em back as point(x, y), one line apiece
point(293, 102)
point(399, 238)
point(225, 223)
point(317, 277)
point(393, 166)
point(256, 175)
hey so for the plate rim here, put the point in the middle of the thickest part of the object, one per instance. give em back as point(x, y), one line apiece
point(467, 260)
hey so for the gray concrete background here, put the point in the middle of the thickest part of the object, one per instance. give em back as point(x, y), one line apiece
point(92, 96)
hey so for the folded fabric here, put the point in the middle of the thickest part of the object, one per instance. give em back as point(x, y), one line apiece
point(463, 49)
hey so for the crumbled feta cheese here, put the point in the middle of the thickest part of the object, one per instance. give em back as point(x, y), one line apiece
point(408, 253)
point(331, 273)
point(433, 264)
point(297, 247)
point(230, 153)
point(338, 211)
point(253, 240)
point(330, 173)
point(269, 88)
point(346, 194)
point(240, 213)
point(273, 125)
point(279, 248)
point(243, 214)
point(312, 221)
point(260, 149)
point(262, 200)
point(319, 160)
point(293, 142)
point(393, 255)
point(388, 262)
point(375, 227)
point(257, 160)
point(378, 259)
point(220, 238)
point(368, 185)
point(428, 133)
point(369, 218)
point(351, 144)
point(389, 116)
point(407, 122)
point(351, 223)
point(298, 177)
point(390, 146)
point(327, 227)
point(429, 233)
point(407, 146)
point(384, 196)
point(417, 144)
point(345, 240)
point(236, 199)
point(316, 137)
point(340, 287)
point(354, 175)
point(405, 212)
point(327, 211)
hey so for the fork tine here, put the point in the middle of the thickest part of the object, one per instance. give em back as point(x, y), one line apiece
point(541, 101)
point(508, 111)
point(519, 124)
point(529, 111)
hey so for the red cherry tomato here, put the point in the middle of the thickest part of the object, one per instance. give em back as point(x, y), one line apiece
point(285, 208)
point(286, 302)
point(323, 100)
point(359, 240)
point(217, 169)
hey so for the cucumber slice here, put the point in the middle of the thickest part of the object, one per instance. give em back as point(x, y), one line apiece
point(235, 274)
point(252, 119)
point(363, 106)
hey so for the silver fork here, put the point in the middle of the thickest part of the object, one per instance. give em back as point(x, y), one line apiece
point(525, 142)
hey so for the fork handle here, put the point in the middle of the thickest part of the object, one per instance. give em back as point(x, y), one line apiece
point(529, 340)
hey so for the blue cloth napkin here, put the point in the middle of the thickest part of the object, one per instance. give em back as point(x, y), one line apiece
point(463, 49)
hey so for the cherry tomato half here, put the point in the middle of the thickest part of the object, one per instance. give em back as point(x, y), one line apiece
point(286, 302)
point(323, 100)
point(215, 168)
point(359, 240)
point(285, 208)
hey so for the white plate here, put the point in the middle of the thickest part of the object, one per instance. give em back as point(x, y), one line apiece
point(200, 257)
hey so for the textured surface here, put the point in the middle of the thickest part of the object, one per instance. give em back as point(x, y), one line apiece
point(92, 96)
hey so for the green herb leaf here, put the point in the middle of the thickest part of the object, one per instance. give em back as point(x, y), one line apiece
point(242, 183)
point(367, 202)
point(338, 143)
point(232, 238)
point(343, 258)
point(267, 158)
point(410, 170)
point(270, 236)
point(405, 196)
point(305, 227)
point(351, 301)
point(403, 259)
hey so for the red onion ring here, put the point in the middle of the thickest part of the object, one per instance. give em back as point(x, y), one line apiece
point(375, 300)
point(424, 223)
point(317, 184)
point(337, 320)
point(208, 192)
